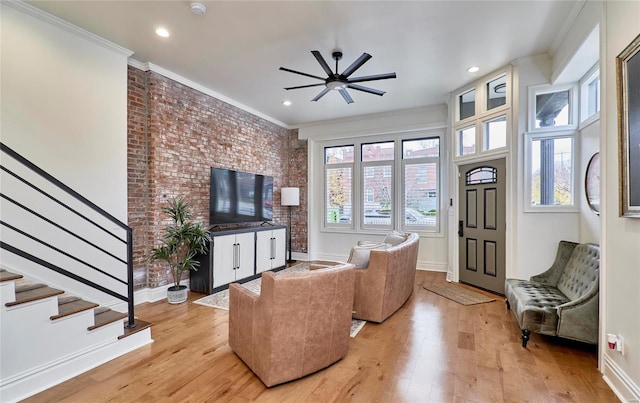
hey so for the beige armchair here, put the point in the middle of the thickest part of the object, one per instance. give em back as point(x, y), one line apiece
point(387, 281)
point(299, 323)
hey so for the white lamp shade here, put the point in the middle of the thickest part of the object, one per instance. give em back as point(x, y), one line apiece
point(290, 196)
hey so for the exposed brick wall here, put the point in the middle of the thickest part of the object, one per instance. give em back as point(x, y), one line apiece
point(137, 171)
point(298, 167)
point(180, 136)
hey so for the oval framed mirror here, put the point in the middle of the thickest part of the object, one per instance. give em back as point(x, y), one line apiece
point(592, 183)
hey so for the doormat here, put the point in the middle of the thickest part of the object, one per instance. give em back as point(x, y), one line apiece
point(220, 299)
point(459, 294)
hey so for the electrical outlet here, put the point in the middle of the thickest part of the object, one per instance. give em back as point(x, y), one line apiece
point(620, 344)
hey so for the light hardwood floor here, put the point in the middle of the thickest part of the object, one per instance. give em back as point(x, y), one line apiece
point(431, 350)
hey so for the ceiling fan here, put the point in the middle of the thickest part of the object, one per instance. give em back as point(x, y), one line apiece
point(340, 82)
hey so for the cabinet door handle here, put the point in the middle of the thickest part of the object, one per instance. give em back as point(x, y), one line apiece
point(273, 248)
point(237, 256)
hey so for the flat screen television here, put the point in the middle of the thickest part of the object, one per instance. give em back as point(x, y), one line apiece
point(240, 197)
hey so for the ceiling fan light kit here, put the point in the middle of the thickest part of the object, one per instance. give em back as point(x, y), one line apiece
point(340, 81)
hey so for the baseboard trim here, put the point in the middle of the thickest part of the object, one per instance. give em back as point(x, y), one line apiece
point(619, 382)
point(47, 376)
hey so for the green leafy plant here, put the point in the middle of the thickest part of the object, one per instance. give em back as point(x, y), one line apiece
point(182, 240)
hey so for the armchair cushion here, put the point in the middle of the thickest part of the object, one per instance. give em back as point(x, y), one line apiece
point(359, 255)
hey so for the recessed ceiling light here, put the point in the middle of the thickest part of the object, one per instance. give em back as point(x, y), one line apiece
point(473, 69)
point(286, 102)
point(162, 32)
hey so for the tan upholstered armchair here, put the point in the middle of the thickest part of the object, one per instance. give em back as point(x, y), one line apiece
point(299, 323)
point(384, 285)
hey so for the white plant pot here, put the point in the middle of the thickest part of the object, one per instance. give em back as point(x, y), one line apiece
point(177, 295)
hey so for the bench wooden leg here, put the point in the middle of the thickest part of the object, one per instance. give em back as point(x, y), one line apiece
point(525, 337)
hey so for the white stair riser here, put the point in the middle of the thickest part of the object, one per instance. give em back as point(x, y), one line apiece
point(7, 292)
point(29, 338)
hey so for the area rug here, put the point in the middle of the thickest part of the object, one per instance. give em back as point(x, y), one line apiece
point(220, 300)
point(459, 294)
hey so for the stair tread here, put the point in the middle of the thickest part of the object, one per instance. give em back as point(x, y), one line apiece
point(8, 276)
point(70, 305)
point(106, 317)
point(34, 295)
point(140, 325)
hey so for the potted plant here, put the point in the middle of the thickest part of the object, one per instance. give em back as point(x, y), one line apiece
point(181, 242)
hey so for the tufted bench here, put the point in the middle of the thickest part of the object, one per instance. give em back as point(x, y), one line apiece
point(562, 301)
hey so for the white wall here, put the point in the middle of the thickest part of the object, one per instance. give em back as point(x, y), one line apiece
point(620, 236)
point(433, 251)
point(537, 233)
point(64, 106)
point(589, 221)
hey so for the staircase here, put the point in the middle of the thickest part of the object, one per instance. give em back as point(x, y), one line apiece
point(48, 336)
point(53, 239)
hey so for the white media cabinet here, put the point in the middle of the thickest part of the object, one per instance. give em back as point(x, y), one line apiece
point(239, 255)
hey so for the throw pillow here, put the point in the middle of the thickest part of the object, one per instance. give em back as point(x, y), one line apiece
point(395, 238)
point(367, 243)
point(359, 256)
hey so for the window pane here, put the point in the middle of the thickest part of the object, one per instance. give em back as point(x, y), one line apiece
point(497, 92)
point(338, 155)
point(552, 109)
point(593, 105)
point(495, 133)
point(420, 194)
point(377, 152)
point(338, 195)
point(421, 148)
point(377, 208)
point(467, 104)
point(467, 141)
point(552, 170)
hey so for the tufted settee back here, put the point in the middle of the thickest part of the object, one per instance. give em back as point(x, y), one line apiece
point(581, 273)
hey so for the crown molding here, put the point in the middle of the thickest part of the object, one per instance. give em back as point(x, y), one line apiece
point(208, 91)
point(60, 23)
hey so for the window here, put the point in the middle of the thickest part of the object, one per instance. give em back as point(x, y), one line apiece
point(552, 107)
point(549, 171)
point(486, 130)
point(377, 160)
point(495, 134)
point(397, 182)
point(497, 92)
point(590, 96)
point(421, 164)
point(466, 141)
point(467, 105)
point(339, 184)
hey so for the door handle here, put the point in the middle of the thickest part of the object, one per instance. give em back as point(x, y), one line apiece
point(460, 228)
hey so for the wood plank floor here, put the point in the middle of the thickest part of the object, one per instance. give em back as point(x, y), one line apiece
point(431, 350)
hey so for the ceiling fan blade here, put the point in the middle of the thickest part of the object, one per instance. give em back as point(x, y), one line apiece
point(366, 89)
point(320, 95)
point(346, 96)
point(356, 65)
point(303, 86)
point(323, 63)
point(302, 74)
point(372, 78)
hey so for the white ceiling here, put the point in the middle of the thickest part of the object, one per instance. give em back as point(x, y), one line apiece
point(236, 48)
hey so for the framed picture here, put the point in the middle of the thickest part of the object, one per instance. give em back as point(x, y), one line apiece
point(592, 183)
point(628, 85)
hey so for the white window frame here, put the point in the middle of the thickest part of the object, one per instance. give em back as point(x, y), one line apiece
point(339, 225)
point(358, 196)
point(536, 90)
point(439, 169)
point(588, 78)
point(539, 135)
point(483, 114)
